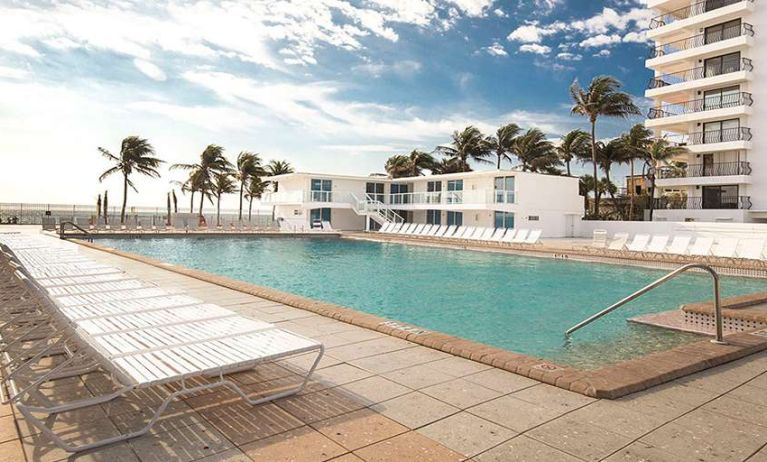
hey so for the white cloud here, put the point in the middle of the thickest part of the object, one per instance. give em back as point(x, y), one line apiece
point(405, 68)
point(535, 48)
point(473, 8)
point(600, 40)
point(13, 73)
point(603, 53)
point(500, 13)
point(533, 33)
point(150, 70)
point(496, 49)
point(565, 56)
point(635, 37)
point(214, 118)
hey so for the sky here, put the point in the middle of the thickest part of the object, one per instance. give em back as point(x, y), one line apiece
point(332, 86)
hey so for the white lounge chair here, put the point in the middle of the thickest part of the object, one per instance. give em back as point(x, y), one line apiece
point(448, 231)
point(639, 243)
point(498, 234)
point(386, 227)
point(459, 232)
point(407, 228)
point(326, 226)
point(599, 238)
point(679, 245)
point(141, 345)
point(395, 229)
point(436, 229)
point(417, 230)
point(520, 237)
point(702, 246)
point(619, 242)
point(476, 235)
point(509, 236)
point(658, 244)
point(425, 230)
point(751, 249)
point(534, 237)
point(725, 247)
point(487, 234)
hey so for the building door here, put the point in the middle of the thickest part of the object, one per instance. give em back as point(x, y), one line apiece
point(322, 190)
point(375, 191)
point(708, 164)
point(721, 64)
point(720, 197)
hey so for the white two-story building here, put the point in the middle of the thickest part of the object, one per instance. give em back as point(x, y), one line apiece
point(499, 198)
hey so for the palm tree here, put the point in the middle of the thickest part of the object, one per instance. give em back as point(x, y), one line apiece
point(601, 98)
point(136, 155)
point(106, 207)
point(536, 153)
point(256, 188)
point(212, 162)
point(608, 155)
point(467, 145)
point(98, 209)
point(397, 166)
point(635, 144)
point(223, 183)
point(278, 167)
point(248, 166)
point(572, 146)
point(502, 144)
point(413, 164)
point(445, 166)
point(660, 151)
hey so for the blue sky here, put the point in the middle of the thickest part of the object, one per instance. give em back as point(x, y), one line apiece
point(330, 85)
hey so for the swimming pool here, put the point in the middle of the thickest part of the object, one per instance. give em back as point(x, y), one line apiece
point(522, 304)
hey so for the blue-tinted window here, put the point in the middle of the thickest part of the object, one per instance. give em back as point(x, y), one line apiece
point(504, 220)
point(433, 217)
point(455, 218)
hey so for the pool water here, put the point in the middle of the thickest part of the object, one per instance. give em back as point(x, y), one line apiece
point(519, 303)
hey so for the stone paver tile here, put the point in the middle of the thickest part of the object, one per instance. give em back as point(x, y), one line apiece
point(300, 445)
point(458, 367)
point(347, 458)
point(750, 394)
point(394, 360)
point(501, 381)
point(358, 334)
point(738, 409)
point(372, 347)
point(321, 405)
point(230, 455)
point(374, 390)
point(550, 396)
point(666, 401)
point(514, 413)
point(63, 421)
point(411, 447)
point(708, 436)
point(461, 393)
point(340, 374)
point(242, 423)
point(11, 451)
point(466, 434)
point(358, 429)
point(178, 414)
point(415, 409)
point(332, 340)
point(579, 438)
point(262, 373)
point(303, 363)
point(6, 409)
point(418, 377)
point(710, 380)
point(760, 456)
point(643, 452)
point(616, 418)
point(182, 444)
point(39, 448)
point(524, 449)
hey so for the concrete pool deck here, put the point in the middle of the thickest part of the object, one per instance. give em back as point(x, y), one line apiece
point(379, 398)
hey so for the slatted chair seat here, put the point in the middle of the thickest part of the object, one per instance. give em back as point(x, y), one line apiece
point(75, 289)
point(82, 312)
point(161, 317)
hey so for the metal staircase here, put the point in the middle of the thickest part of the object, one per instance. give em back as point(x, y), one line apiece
point(374, 209)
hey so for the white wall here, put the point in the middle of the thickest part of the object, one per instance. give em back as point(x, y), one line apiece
point(740, 230)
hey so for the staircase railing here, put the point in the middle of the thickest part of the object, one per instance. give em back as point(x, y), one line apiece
point(717, 300)
point(370, 205)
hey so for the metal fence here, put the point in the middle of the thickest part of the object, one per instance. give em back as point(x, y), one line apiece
point(86, 215)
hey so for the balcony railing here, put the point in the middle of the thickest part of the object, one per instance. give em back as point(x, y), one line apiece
point(701, 40)
point(700, 105)
point(701, 170)
point(690, 11)
point(712, 136)
point(698, 73)
point(700, 203)
point(481, 196)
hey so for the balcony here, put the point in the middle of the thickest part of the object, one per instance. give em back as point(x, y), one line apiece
point(712, 136)
point(700, 40)
point(698, 73)
point(705, 170)
point(691, 11)
point(701, 105)
point(422, 199)
point(698, 203)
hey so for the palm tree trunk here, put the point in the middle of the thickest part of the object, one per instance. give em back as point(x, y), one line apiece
point(191, 202)
point(568, 168)
point(594, 161)
point(218, 210)
point(250, 208)
point(651, 177)
point(242, 185)
point(499, 161)
point(202, 201)
point(125, 198)
point(631, 192)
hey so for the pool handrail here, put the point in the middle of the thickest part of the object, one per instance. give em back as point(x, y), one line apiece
point(719, 340)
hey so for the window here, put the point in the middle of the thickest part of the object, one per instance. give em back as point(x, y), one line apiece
point(504, 189)
point(433, 186)
point(318, 215)
point(455, 218)
point(399, 194)
point(321, 190)
point(455, 191)
point(434, 189)
point(722, 65)
point(721, 32)
point(433, 217)
point(504, 220)
point(375, 191)
point(720, 197)
point(721, 131)
point(721, 98)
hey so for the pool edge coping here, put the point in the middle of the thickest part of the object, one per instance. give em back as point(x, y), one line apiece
point(608, 382)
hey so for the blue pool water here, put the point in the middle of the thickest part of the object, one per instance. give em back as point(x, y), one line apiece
point(523, 304)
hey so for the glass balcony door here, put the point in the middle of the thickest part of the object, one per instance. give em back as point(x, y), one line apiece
point(321, 190)
point(375, 191)
point(721, 98)
point(720, 197)
point(722, 64)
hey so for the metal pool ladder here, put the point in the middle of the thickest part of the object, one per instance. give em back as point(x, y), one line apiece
point(717, 300)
